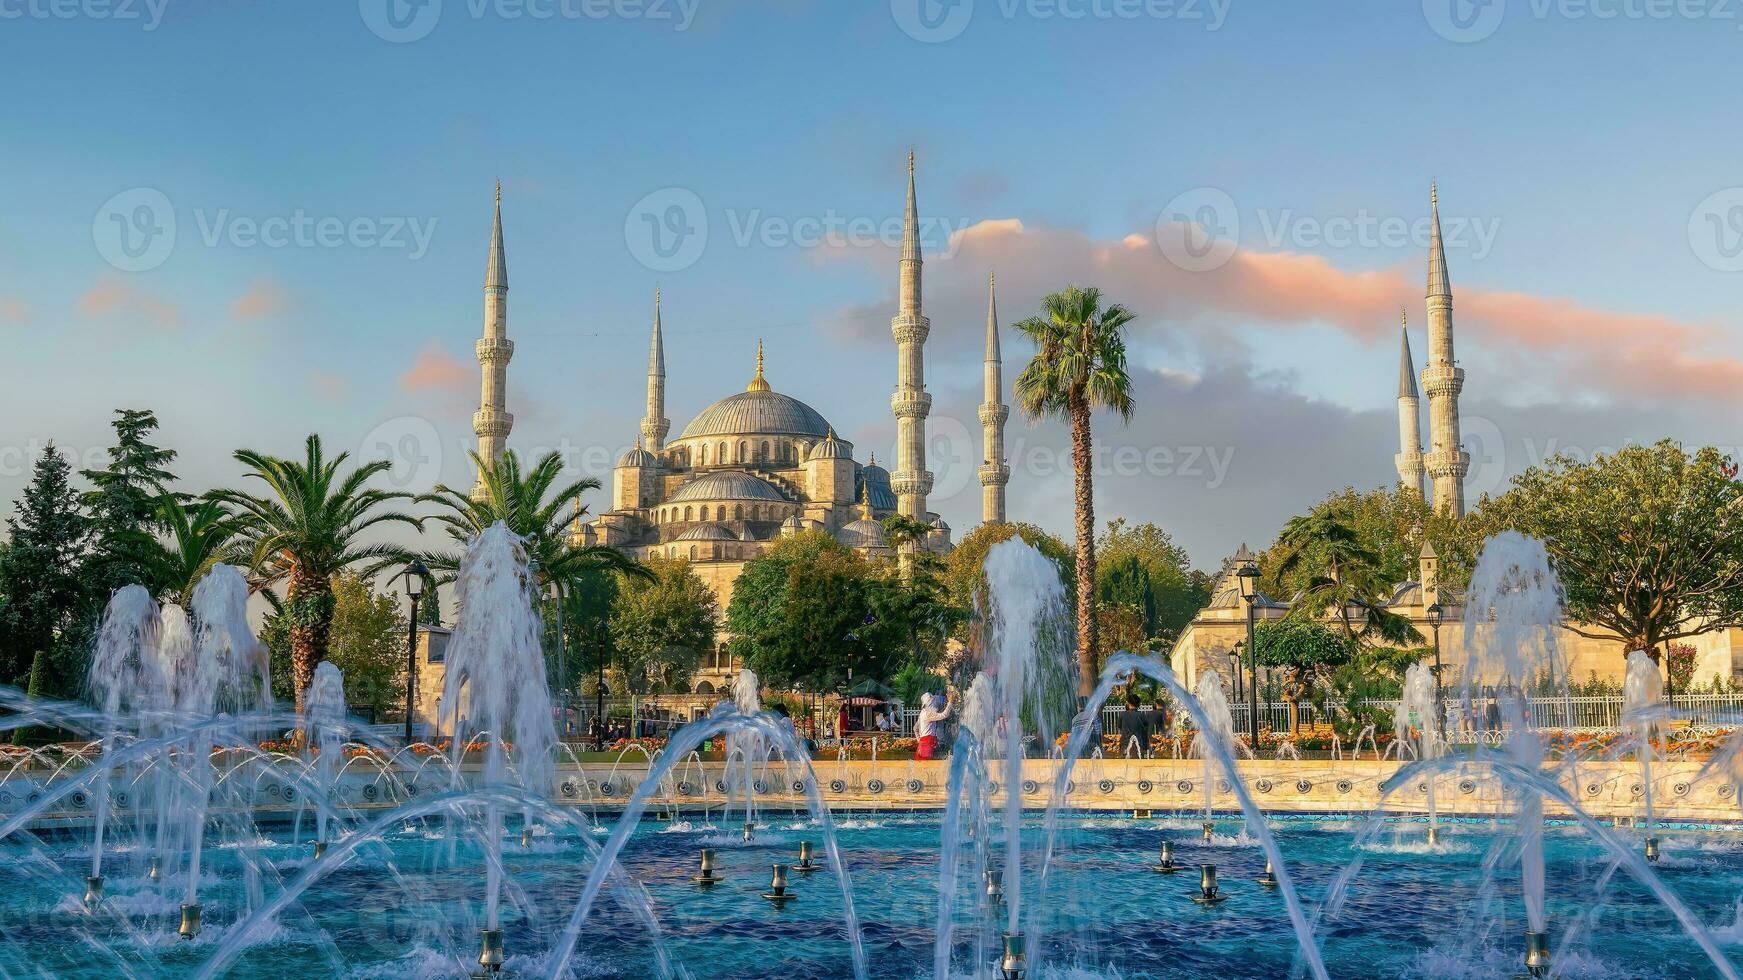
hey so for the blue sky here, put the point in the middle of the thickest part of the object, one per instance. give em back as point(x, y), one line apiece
point(1593, 160)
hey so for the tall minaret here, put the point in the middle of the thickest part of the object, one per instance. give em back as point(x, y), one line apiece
point(655, 425)
point(1446, 462)
point(492, 422)
point(994, 474)
point(911, 404)
point(1409, 458)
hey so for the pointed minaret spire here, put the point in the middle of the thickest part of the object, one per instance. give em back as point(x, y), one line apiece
point(911, 404)
point(492, 422)
point(1409, 458)
point(1442, 379)
point(655, 425)
point(994, 474)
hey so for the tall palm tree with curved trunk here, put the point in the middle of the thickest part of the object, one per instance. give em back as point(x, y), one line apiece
point(307, 528)
point(1079, 366)
point(532, 505)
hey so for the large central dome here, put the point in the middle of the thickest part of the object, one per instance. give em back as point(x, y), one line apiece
point(757, 413)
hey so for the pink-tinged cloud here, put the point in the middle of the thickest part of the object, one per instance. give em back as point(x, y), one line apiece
point(113, 296)
point(434, 369)
point(1585, 349)
point(263, 298)
point(330, 387)
point(13, 311)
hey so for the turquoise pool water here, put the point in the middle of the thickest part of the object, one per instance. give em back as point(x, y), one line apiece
point(409, 906)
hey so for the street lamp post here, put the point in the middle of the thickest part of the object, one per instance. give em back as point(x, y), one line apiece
point(1434, 614)
point(415, 574)
point(1235, 663)
point(1249, 577)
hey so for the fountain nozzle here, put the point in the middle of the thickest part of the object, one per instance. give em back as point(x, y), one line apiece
point(526, 836)
point(320, 849)
point(1167, 866)
point(749, 830)
point(1433, 836)
point(190, 926)
point(707, 875)
point(995, 887)
point(1269, 878)
point(1652, 849)
point(777, 892)
point(1014, 963)
point(93, 891)
point(1537, 954)
point(1208, 827)
point(805, 865)
point(1208, 892)
point(489, 952)
point(154, 869)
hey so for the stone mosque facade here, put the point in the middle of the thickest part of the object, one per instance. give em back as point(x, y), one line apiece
point(760, 465)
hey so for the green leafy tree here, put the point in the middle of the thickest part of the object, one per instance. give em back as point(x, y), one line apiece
point(1176, 591)
point(801, 615)
point(368, 645)
point(1079, 366)
point(1647, 541)
point(1343, 579)
point(909, 596)
point(1306, 651)
point(661, 627)
point(1391, 526)
point(964, 572)
point(49, 602)
point(307, 528)
point(124, 503)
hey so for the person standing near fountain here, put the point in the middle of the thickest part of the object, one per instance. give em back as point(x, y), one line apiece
point(934, 710)
point(1134, 728)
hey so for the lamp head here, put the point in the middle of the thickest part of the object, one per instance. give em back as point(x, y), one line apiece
point(1248, 574)
point(415, 574)
point(1434, 614)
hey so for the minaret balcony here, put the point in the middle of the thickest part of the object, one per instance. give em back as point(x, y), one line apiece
point(906, 484)
point(1442, 379)
point(494, 350)
point(490, 423)
point(994, 413)
point(1446, 463)
point(995, 476)
point(907, 404)
point(910, 328)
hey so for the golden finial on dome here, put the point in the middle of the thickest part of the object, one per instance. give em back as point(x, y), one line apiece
point(865, 510)
point(638, 444)
point(758, 383)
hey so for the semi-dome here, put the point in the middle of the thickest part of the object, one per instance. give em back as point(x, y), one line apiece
point(863, 533)
point(757, 413)
point(707, 532)
point(874, 486)
point(726, 485)
point(637, 457)
point(831, 448)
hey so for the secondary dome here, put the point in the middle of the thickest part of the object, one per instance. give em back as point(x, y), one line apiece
point(757, 413)
point(726, 485)
point(707, 532)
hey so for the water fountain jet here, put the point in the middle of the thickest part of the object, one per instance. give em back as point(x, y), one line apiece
point(1269, 877)
point(190, 926)
point(1652, 849)
point(1015, 961)
point(995, 887)
point(1208, 891)
point(93, 891)
point(490, 952)
point(1537, 954)
point(707, 875)
point(806, 865)
point(777, 892)
point(1167, 865)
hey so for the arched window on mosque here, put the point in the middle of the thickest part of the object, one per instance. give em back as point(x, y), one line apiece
point(720, 513)
point(765, 453)
point(686, 513)
point(720, 457)
point(738, 512)
point(692, 552)
point(743, 451)
point(704, 454)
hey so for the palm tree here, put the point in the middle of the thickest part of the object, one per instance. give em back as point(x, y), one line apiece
point(527, 504)
point(1079, 366)
point(197, 535)
point(1343, 579)
point(305, 530)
